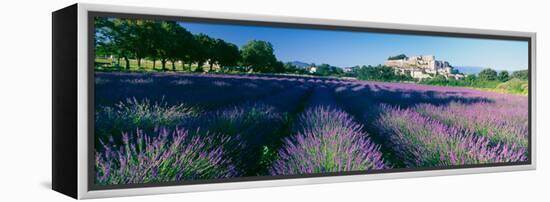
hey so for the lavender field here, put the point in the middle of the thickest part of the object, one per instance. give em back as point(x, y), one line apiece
point(163, 127)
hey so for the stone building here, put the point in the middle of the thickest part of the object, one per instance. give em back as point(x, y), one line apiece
point(422, 67)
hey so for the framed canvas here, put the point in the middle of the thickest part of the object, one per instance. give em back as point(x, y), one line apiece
point(153, 101)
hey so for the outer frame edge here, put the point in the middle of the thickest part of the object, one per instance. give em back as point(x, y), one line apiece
point(85, 193)
point(533, 97)
point(64, 115)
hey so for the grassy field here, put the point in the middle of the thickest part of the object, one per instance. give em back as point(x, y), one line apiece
point(106, 64)
point(513, 86)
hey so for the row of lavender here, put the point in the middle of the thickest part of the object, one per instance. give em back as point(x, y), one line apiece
point(326, 139)
point(220, 126)
point(126, 101)
point(425, 126)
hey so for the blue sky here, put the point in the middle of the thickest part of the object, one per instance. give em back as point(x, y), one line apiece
point(344, 48)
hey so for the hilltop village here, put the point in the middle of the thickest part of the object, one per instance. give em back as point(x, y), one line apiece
point(422, 67)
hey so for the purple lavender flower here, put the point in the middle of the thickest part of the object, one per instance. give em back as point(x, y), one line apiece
point(143, 114)
point(420, 141)
point(498, 122)
point(330, 141)
point(168, 156)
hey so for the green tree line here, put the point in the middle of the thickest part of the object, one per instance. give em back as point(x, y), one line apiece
point(170, 43)
point(503, 81)
point(378, 73)
point(485, 77)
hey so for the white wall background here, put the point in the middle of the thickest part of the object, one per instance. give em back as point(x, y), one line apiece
point(25, 98)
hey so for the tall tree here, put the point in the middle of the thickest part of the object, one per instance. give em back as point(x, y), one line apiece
point(204, 52)
point(521, 74)
point(123, 39)
point(227, 54)
point(157, 43)
point(488, 74)
point(503, 76)
point(182, 45)
point(115, 37)
point(194, 51)
point(165, 47)
point(188, 47)
point(258, 56)
point(215, 47)
point(142, 38)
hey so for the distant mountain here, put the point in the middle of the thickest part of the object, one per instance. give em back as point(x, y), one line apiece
point(468, 69)
point(300, 64)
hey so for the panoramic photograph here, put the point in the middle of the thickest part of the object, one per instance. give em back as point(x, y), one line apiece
point(179, 101)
